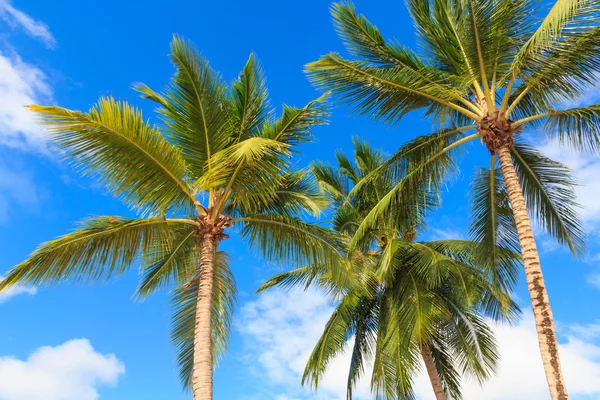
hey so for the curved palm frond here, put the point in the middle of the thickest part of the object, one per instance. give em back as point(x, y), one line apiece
point(114, 144)
point(295, 124)
point(101, 248)
point(549, 192)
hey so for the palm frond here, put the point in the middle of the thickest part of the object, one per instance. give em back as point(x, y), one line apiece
point(291, 240)
point(250, 104)
point(194, 107)
point(576, 127)
point(295, 124)
point(549, 193)
point(248, 173)
point(337, 331)
point(381, 93)
point(298, 194)
point(113, 144)
point(169, 261)
point(566, 17)
point(101, 248)
point(492, 221)
point(365, 41)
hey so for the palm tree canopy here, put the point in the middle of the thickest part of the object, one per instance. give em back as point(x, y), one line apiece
point(401, 295)
point(489, 67)
point(219, 154)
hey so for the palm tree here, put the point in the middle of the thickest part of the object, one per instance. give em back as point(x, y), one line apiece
point(221, 159)
point(402, 301)
point(493, 68)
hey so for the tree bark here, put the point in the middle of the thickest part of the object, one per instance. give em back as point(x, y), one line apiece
point(202, 379)
point(544, 322)
point(434, 376)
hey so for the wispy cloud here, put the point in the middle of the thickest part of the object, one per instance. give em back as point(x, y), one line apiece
point(70, 371)
point(21, 84)
point(15, 291)
point(18, 19)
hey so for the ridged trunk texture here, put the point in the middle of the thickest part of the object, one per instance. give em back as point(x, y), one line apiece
point(202, 380)
point(544, 322)
point(434, 376)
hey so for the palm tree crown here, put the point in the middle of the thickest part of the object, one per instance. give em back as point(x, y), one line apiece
point(220, 159)
point(493, 68)
point(402, 300)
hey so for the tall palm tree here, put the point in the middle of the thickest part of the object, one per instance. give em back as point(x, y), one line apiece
point(220, 159)
point(493, 68)
point(402, 301)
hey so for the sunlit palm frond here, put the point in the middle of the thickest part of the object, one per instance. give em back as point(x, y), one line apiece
point(333, 340)
point(565, 18)
point(291, 240)
point(194, 107)
point(168, 261)
point(334, 184)
point(296, 124)
point(365, 41)
point(492, 221)
point(250, 104)
point(248, 173)
point(114, 144)
point(101, 248)
point(383, 93)
point(299, 193)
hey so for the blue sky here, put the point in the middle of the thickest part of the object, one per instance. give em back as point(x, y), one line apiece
point(89, 342)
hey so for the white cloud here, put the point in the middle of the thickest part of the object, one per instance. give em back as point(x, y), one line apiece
point(71, 371)
point(280, 329)
point(15, 291)
point(594, 279)
point(18, 19)
point(18, 190)
point(21, 84)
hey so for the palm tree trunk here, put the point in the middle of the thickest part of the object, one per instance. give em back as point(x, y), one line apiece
point(202, 378)
point(434, 376)
point(544, 322)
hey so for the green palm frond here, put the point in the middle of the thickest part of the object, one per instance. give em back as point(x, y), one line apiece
point(250, 100)
point(303, 277)
point(248, 172)
point(565, 18)
point(334, 184)
point(383, 93)
point(492, 222)
point(183, 301)
point(194, 107)
point(291, 240)
point(295, 124)
point(549, 192)
point(101, 248)
point(365, 41)
point(474, 345)
point(565, 71)
point(298, 193)
point(365, 341)
point(114, 144)
point(333, 340)
point(576, 127)
point(169, 261)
